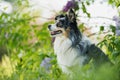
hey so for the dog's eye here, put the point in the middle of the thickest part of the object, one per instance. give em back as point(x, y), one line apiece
point(59, 24)
point(56, 17)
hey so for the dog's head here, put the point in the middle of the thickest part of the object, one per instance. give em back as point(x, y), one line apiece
point(65, 25)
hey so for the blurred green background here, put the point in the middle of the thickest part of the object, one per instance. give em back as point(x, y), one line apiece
point(24, 44)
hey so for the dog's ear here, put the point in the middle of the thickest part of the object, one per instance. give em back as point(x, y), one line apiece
point(71, 15)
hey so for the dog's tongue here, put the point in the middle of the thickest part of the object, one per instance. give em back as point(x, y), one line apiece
point(53, 32)
point(53, 39)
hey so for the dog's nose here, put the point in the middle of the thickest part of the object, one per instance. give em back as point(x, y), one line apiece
point(49, 27)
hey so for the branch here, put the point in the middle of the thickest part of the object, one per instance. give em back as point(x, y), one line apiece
point(96, 33)
point(97, 17)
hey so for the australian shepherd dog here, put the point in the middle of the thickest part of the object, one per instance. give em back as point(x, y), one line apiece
point(71, 46)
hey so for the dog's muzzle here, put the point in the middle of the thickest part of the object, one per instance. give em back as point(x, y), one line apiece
point(53, 31)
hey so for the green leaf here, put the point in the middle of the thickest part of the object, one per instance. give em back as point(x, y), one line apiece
point(111, 1)
point(101, 28)
point(113, 28)
point(81, 26)
point(85, 10)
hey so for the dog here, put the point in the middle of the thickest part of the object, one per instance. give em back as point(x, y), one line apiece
point(71, 46)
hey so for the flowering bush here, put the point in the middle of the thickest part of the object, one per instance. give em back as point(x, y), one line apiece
point(28, 52)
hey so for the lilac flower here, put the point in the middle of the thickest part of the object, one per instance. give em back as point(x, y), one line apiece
point(69, 5)
point(46, 63)
point(117, 32)
point(117, 22)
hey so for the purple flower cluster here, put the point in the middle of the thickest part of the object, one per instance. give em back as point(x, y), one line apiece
point(117, 22)
point(46, 63)
point(70, 4)
point(117, 32)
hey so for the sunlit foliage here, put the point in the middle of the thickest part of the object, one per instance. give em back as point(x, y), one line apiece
point(25, 45)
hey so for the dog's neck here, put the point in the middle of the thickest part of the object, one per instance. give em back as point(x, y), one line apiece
point(67, 55)
point(62, 44)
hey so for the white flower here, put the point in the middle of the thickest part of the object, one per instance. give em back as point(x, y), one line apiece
point(20, 55)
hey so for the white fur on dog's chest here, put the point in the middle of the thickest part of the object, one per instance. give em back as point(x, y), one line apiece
point(67, 56)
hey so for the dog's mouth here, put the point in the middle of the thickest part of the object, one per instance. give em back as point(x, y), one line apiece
point(56, 32)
